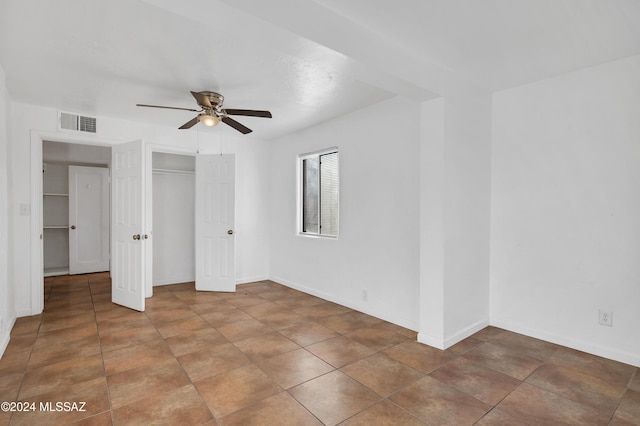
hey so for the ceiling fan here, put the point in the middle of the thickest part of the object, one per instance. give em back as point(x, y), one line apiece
point(211, 112)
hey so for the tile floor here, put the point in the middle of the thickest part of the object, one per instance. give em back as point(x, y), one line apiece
point(271, 355)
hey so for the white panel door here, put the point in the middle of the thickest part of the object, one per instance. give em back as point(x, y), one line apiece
point(88, 219)
point(215, 203)
point(127, 215)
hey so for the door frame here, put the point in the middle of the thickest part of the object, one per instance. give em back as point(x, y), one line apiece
point(36, 241)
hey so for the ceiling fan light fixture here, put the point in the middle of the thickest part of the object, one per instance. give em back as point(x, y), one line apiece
point(209, 120)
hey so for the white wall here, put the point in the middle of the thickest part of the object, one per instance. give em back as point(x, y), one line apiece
point(7, 310)
point(174, 244)
point(377, 249)
point(252, 211)
point(565, 230)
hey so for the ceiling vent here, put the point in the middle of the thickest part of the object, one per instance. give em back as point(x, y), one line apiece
point(79, 123)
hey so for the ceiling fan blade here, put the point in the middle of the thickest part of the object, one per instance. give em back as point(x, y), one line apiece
point(239, 127)
point(202, 99)
point(189, 124)
point(248, 112)
point(167, 107)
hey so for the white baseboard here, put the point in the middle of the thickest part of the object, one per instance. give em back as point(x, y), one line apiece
point(580, 345)
point(431, 341)
point(465, 332)
point(25, 313)
point(171, 281)
point(4, 342)
point(349, 304)
point(246, 280)
point(5, 335)
point(454, 338)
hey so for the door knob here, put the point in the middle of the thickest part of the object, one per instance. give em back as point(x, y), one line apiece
point(230, 232)
point(73, 227)
point(136, 237)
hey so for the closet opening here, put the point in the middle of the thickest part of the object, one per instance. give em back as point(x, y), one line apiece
point(173, 212)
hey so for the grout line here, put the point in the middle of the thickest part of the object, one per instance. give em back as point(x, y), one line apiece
point(626, 389)
point(104, 369)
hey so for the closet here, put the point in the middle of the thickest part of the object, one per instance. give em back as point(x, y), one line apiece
point(75, 208)
point(173, 213)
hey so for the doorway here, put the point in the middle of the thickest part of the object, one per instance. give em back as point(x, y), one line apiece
point(75, 208)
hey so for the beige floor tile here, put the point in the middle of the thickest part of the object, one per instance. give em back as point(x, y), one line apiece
point(212, 361)
point(295, 367)
point(416, 355)
point(243, 329)
point(185, 343)
point(570, 382)
point(339, 351)
point(504, 360)
point(307, 333)
point(90, 398)
point(266, 345)
point(382, 374)
point(145, 382)
point(61, 375)
point(132, 357)
point(480, 382)
point(334, 397)
point(435, 402)
point(181, 405)
point(236, 389)
point(280, 409)
point(384, 413)
point(629, 408)
point(536, 406)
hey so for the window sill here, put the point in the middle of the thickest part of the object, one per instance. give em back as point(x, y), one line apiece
point(326, 237)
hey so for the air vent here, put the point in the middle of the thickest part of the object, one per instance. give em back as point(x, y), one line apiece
point(79, 123)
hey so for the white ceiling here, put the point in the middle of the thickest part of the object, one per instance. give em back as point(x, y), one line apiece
point(307, 61)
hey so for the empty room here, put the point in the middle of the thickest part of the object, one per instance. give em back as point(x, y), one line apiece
point(320, 212)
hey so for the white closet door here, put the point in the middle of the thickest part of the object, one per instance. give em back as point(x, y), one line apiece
point(88, 219)
point(127, 215)
point(215, 206)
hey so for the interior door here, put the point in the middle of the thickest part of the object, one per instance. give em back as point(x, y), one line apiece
point(215, 238)
point(88, 219)
point(127, 215)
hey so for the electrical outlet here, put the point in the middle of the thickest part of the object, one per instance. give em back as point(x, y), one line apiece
point(365, 296)
point(606, 318)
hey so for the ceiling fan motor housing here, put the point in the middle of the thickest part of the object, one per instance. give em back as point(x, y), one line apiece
point(216, 99)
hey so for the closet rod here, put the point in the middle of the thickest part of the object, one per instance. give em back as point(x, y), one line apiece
point(173, 172)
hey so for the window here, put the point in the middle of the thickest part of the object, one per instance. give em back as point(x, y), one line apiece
point(319, 200)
